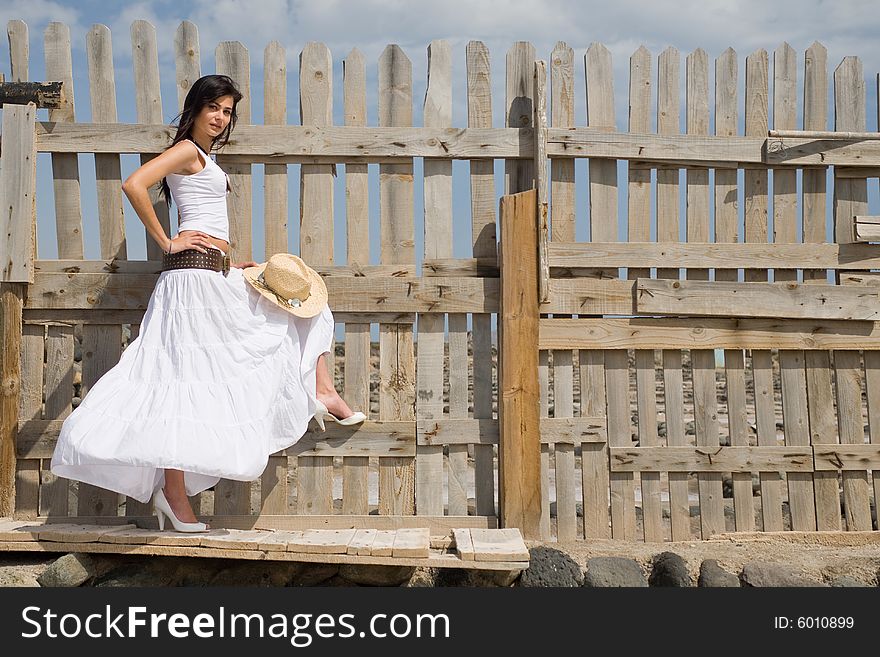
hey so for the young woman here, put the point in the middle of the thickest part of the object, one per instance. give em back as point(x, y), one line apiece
point(228, 366)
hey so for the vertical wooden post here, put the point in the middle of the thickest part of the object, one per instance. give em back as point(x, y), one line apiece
point(519, 446)
point(17, 244)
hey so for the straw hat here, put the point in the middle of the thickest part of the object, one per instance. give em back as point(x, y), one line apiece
point(290, 283)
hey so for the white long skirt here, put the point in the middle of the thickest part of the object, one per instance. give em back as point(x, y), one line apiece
point(218, 379)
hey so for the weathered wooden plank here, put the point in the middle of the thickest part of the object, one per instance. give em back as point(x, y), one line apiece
point(702, 254)
point(707, 333)
point(275, 175)
point(101, 350)
point(59, 398)
point(590, 296)
point(540, 168)
point(383, 543)
point(673, 401)
point(18, 191)
point(315, 473)
point(362, 542)
point(872, 390)
point(737, 425)
point(712, 459)
point(438, 244)
point(563, 228)
point(46, 95)
point(322, 541)
point(464, 546)
point(411, 542)
point(623, 517)
point(519, 101)
point(594, 456)
point(646, 391)
point(106, 291)
point(459, 369)
point(795, 418)
point(756, 124)
point(668, 102)
point(765, 419)
point(814, 180)
point(498, 545)
point(65, 167)
point(355, 470)
point(847, 379)
point(290, 144)
point(30, 404)
point(788, 299)
point(706, 428)
point(274, 489)
point(397, 361)
point(187, 58)
point(519, 450)
point(603, 175)
point(108, 172)
point(823, 430)
point(483, 239)
point(847, 457)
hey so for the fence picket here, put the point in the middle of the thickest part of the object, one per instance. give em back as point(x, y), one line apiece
point(314, 477)
point(65, 166)
point(396, 351)
point(483, 235)
point(355, 469)
point(668, 119)
point(431, 339)
point(850, 199)
point(801, 496)
point(562, 230)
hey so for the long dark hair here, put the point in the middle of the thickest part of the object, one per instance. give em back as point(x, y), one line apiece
point(203, 91)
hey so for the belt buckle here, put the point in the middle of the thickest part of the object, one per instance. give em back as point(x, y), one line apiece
point(225, 265)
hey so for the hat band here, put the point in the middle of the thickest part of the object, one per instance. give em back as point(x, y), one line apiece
point(293, 302)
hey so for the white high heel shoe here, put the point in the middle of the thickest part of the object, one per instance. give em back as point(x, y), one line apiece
point(163, 510)
point(321, 412)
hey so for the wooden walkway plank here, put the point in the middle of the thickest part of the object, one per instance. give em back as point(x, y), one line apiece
point(362, 542)
point(322, 541)
point(383, 543)
point(464, 546)
point(499, 545)
point(243, 539)
point(411, 542)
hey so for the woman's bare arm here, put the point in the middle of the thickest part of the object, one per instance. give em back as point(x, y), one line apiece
point(181, 158)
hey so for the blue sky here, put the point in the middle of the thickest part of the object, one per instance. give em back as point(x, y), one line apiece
point(845, 28)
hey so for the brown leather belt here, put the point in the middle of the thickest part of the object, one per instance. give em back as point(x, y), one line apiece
point(193, 259)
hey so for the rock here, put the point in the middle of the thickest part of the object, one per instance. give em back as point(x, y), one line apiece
point(14, 577)
point(313, 574)
point(69, 570)
point(846, 581)
point(669, 569)
point(422, 577)
point(256, 573)
point(551, 567)
point(368, 575)
point(713, 575)
point(756, 573)
point(76, 401)
point(614, 572)
point(470, 577)
point(155, 573)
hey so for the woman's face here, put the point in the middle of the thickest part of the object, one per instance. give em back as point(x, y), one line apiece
point(215, 116)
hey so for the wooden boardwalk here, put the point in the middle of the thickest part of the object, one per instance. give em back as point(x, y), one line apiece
point(484, 549)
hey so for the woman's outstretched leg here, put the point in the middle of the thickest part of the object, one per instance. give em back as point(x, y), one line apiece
point(326, 391)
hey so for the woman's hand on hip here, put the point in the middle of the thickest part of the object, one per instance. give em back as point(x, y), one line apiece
point(190, 240)
point(242, 265)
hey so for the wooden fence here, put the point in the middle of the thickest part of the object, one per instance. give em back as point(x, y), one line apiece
point(636, 424)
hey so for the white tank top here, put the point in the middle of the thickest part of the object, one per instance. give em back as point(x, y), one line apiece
point(201, 198)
